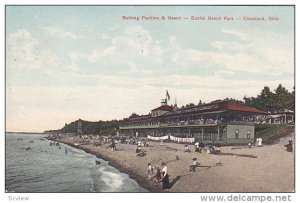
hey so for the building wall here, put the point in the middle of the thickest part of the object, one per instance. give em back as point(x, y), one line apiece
point(245, 133)
point(226, 134)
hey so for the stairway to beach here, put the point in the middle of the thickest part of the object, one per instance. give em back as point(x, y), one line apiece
point(275, 138)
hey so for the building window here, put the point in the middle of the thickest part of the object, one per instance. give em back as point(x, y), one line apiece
point(237, 134)
point(248, 134)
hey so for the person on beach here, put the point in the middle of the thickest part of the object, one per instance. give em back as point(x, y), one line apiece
point(201, 146)
point(158, 174)
point(138, 149)
point(259, 142)
point(197, 147)
point(186, 148)
point(150, 170)
point(66, 151)
point(194, 165)
point(165, 176)
point(113, 146)
point(289, 146)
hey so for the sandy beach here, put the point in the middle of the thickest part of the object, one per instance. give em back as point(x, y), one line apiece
point(271, 171)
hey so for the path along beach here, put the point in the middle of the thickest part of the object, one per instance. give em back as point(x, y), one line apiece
point(271, 171)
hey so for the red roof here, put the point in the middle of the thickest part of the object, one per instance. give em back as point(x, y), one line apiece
point(164, 108)
point(235, 106)
point(214, 107)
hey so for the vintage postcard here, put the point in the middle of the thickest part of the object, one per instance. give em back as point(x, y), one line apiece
point(150, 99)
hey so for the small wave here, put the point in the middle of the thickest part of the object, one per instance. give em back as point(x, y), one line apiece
point(48, 169)
point(113, 179)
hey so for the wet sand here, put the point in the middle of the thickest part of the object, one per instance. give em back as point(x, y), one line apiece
point(271, 171)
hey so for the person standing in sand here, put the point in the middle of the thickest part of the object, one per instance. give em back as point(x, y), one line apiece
point(165, 176)
point(158, 174)
point(150, 170)
point(194, 165)
point(197, 147)
point(113, 145)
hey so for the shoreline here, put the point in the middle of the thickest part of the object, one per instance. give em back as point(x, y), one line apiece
point(242, 168)
point(142, 181)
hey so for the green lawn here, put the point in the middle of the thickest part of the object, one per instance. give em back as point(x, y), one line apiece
point(266, 131)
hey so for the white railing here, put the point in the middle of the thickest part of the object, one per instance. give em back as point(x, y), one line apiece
point(173, 138)
point(179, 139)
point(158, 138)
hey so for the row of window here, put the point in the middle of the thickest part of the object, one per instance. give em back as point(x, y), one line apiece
point(146, 124)
point(237, 131)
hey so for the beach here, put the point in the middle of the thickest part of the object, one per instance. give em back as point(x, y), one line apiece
point(236, 170)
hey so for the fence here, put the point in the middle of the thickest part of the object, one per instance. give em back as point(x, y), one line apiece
point(173, 138)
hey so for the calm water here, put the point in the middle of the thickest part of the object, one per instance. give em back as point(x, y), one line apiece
point(47, 168)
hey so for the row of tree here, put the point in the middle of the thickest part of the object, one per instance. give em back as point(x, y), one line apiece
point(88, 127)
point(279, 100)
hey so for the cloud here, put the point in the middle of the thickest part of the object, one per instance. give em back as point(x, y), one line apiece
point(234, 46)
point(241, 34)
point(135, 54)
point(132, 51)
point(251, 52)
point(20, 50)
point(132, 64)
point(104, 36)
point(25, 52)
point(172, 39)
point(59, 32)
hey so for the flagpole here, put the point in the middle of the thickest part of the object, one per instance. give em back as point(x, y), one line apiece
point(166, 97)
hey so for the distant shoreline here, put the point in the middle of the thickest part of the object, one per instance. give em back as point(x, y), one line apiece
point(25, 132)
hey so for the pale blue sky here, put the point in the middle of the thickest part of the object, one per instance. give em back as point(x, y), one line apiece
point(70, 62)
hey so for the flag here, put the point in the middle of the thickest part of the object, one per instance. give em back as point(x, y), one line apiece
point(168, 96)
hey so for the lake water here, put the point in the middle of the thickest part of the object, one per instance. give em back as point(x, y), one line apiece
point(46, 168)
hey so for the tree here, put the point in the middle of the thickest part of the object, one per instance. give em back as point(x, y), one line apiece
point(250, 101)
point(134, 115)
point(268, 101)
point(282, 99)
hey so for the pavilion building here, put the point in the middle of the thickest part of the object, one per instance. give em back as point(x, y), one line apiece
point(217, 122)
